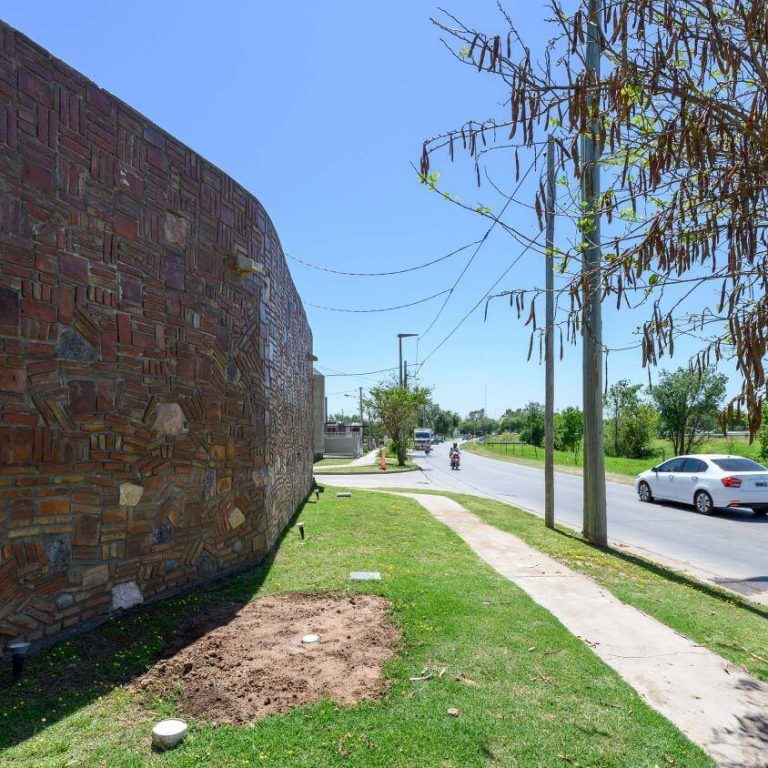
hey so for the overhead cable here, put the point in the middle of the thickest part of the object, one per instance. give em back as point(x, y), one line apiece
point(382, 274)
point(378, 309)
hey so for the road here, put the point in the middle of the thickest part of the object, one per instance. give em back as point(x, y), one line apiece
point(728, 548)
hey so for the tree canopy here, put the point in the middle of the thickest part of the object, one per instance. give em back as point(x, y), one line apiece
point(680, 113)
point(397, 409)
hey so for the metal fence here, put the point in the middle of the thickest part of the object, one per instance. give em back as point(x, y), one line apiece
point(343, 444)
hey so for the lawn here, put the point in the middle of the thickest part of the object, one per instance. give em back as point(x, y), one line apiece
point(616, 467)
point(329, 461)
point(726, 624)
point(528, 693)
point(371, 469)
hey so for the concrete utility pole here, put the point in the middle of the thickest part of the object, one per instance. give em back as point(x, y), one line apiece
point(362, 427)
point(400, 337)
point(549, 375)
point(595, 526)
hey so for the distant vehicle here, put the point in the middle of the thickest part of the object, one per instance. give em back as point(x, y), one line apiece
point(709, 482)
point(455, 458)
point(435, 440)
point(422, 437)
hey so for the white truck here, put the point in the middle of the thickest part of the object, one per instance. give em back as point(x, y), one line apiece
point(422, 437)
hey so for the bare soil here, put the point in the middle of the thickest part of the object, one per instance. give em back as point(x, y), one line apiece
point(236, 664)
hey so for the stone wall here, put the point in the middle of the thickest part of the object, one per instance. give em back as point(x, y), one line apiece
point(318, 415)
point(155, 359)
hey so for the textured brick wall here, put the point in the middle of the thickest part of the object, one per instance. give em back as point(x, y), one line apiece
point(155, 359)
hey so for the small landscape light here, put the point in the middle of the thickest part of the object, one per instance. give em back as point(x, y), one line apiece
point(301, 530)
point(18, 657)
point(168, 734)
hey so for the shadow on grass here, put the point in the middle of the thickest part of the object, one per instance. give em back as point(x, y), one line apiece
point(670, 574)
point(68, 676)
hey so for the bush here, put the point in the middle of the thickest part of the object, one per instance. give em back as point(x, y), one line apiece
point(762, 433)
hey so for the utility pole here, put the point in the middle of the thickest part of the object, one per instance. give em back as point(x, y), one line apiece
point(400, 337)
point(595, 526)
point(405, 374)
point(362, 427)
point(549, 361)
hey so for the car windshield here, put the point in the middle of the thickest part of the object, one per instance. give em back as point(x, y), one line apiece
point(739, 465)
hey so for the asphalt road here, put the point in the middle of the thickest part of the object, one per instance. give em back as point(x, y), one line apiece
point(727, 548)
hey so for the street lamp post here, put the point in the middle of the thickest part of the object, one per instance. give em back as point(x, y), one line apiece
point(400, 337)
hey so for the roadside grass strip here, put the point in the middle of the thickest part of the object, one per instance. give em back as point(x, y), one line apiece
point(485, 677)
point(734, 628)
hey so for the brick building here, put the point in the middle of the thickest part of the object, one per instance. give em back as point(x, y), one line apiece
point(155, 358)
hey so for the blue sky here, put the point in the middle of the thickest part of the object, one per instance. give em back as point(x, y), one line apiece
point(320, 110)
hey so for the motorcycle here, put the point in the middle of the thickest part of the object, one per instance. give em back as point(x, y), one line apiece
point(427, 449)
point(455, 458)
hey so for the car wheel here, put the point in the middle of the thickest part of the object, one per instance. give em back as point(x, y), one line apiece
point(644, 492)
point(703, 503)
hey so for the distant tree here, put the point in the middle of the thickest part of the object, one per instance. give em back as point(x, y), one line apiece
point(688, 403)
point(533, 424)
point(631, 424)
point(428, 413)
point(569, 431)
point(446, 422)
point(398, 410)
point(639, 426)
point(762, 435)
point(343, 418)
point(621, 399)
point(511, 421)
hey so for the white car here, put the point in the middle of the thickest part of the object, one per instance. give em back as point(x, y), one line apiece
point(708, 481)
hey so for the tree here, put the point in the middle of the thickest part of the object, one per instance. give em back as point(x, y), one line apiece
point(511, 421)
point(688, 404)
point(631, 423)
point(639, 426)
point(680, 113)
point(762, 435)
point(398, 409)
point(620, 399)
point(569, 431)
point(533, 424)
point(446, 422)
point(428, 413)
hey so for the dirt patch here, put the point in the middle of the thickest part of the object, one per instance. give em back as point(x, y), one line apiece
point(254, 663)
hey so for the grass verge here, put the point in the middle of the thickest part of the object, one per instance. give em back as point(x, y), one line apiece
point(369, 469)
point(330, 461)
point(618, 468)
point(734, 628)
point(528, 693)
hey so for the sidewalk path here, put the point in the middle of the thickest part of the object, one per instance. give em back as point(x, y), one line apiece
point(363, 461)
point(716, 704)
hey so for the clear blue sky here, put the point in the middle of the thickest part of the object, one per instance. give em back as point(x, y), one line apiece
point(319, 109)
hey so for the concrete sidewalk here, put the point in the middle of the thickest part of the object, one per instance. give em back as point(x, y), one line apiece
point(716, 704)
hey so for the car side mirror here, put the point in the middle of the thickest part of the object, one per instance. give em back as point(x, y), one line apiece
point(655, 469)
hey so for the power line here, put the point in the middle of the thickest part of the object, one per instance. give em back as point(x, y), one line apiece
point(354, 375)
point(484, 297)
point(481, 242)
point(378, 309)
point(382, 274)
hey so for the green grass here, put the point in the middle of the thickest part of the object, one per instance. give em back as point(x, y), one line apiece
point(726, 624)
point(616, 467)
point(371, 469)
point(328, 460)
point(529, 693)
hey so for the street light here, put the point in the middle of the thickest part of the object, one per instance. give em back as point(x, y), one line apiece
point(400, 337)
